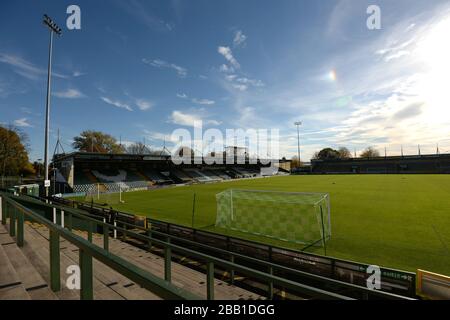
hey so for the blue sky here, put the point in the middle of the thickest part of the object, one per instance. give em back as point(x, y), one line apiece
point(140, 69)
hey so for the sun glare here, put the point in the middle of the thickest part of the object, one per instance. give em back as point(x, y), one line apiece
point(434, 51)
point(332, 75)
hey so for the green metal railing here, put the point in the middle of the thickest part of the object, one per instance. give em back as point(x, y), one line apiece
point(168, 247)
point(16, 213)
point(271, 267)
point(267, 277)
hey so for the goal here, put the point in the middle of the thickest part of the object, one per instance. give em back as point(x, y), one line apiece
point(297, 217)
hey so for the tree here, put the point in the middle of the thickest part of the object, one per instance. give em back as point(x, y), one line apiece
point(327, 154)
point(138, 148)
point(295, 163)
point(97, 141)
point(315, 156)
point(38, 168)
point(370, 152)
point(13, 152)
point(344, 153)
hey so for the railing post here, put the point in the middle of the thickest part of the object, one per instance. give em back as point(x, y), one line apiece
point(87, 290)
point(69, 222)
point(5, 212)
point(115, 230)
point(167, 262)
point(20, 220)
point(149, 234)
point(124, 234)
point(210, 280)
point(232, 271)
point(1, 209)
point(270, 286)
point(89, 231)
point(62, 218)
point(55, 277)
point(12, 221)
point(106, 237)
point(54, 215)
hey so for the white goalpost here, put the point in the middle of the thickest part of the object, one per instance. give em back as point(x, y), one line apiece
point(297, 217)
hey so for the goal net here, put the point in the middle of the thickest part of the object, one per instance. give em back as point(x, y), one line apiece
point(290, 216)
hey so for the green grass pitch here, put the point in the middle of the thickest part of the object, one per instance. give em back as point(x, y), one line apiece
point(397, 221)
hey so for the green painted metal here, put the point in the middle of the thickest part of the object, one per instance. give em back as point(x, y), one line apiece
point(230, 265)
point(149, 234)
point(143, 278)
point(87, 289)
point(232, 270)
point(106, 238)
point(270, 286)
point(69, 221)
point(124, 234)
point(55, 270)
point(20, 221)
point(210, 281)
point(12, 221)
point(168, 262)
point(4, 210)
point(89, 231)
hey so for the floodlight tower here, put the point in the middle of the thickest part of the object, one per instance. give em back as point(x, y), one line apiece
point(53, 28)
point(298, 124)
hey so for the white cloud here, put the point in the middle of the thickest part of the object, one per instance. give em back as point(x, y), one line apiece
point(22, 122)
point(191, 120)
point(78, 74)
point(195, 100)
point(240, 87)
point(203, 101)
point(117, 103)
point(69, 94)
point(253, 82)
point(157, 136)
point(25, 68)
point(143, 104)
point(157, 63)
point(239, 38)
point(226, 69)
point(227, 53)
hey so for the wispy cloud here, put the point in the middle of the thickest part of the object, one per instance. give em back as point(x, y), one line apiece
point(22, 122)
point(189, 119)
point(117, 103)
point(77, 74)
point(143, 104)
point(25, 68)
point(157, 63)
point(239, 38)
point(203, 101)
point(145, 15)
point(196, 100)
point(69, 94)
point(228, 55)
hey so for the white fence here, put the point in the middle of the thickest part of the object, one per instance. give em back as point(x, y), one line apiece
point(112, 187)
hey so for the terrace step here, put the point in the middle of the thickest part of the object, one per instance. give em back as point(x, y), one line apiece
point(182, 276)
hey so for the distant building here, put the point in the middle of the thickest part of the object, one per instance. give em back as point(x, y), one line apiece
point(435, 163)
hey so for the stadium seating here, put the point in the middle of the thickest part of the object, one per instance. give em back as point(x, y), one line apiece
point(180, 175)
point(155, 176)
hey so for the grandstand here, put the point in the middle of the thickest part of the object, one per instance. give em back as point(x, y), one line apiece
point(419, 164)
point(82, 169)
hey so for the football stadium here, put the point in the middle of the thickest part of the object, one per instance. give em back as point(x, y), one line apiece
point(258, 214)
